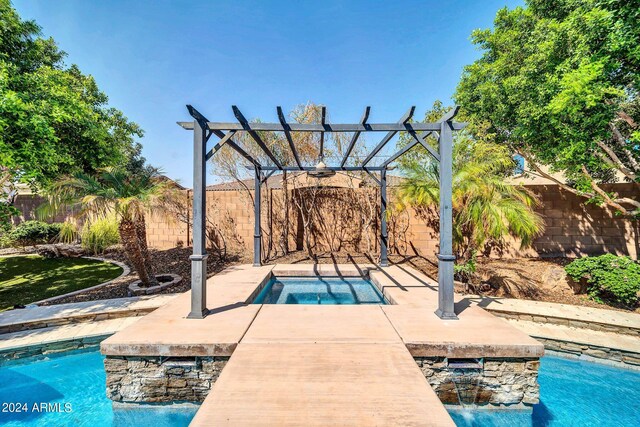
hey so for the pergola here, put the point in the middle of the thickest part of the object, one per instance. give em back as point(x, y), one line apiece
point(203, 130)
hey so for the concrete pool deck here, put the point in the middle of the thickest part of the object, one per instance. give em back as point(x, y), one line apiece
point(312, 365)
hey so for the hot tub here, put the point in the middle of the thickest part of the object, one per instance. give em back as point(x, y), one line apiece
point(320, 290)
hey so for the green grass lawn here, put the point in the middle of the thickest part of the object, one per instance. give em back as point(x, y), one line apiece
point(26, 279)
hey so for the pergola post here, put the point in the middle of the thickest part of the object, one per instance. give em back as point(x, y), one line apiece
point(199, 257)
point(257, 233)
point(446, 258)
point(384, 262)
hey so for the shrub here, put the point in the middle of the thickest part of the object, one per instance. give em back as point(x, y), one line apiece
point(68, 233)
point(5, 240)
point(31, 233)
point(6, 213)
point(98, 235)
point(608, 277)
point(465, 270)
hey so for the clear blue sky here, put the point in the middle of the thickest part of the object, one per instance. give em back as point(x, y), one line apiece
point(153, 57)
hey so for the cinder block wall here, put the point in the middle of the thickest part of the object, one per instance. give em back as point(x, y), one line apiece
point(572, 227)
point(575, 228)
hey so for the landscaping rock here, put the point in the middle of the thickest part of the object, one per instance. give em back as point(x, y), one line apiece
point(60, 250)
point(165, 280)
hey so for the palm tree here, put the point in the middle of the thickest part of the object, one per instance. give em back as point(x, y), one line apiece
point(486, 207)
point(114, 191)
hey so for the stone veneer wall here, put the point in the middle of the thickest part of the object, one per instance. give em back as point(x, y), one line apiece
point(46, 349)
point(158, 379)
point(619, 357)
point(540, 318)
point(500, 382)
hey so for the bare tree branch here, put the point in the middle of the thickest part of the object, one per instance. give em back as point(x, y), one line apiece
point(617, 136)
point(627, 118)
point(617, 163)
point(542, 173)
point(614, 202)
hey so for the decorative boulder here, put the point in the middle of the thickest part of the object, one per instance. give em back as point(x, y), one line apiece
point(59, 251)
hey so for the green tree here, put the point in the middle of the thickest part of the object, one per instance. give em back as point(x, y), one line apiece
point(130, 197)
point(558, 82)
point(486, 207)
point(53, 118)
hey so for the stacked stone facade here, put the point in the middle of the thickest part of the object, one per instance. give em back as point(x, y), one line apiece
point(497, 382)
point(158, 379)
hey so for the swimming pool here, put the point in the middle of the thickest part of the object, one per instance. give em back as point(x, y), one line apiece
point(69, 390)
point(572, 393)
point(319, 290)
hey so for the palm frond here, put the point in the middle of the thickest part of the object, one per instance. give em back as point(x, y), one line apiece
point(486, 208)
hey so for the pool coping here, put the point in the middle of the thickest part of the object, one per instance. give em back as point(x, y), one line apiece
point(598, 319)
point(80, 312)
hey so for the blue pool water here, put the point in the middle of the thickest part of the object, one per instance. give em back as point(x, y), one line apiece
point(319, 290)
point(76, 380)
point(572, 393)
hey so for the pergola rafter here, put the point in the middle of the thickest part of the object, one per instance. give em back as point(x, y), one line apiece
point(203, 129)
point(404, 120)
point(246, 126)
point(287, 134)
point(354, 138)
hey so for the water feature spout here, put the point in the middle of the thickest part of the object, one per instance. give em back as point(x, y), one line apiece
point(466, 376)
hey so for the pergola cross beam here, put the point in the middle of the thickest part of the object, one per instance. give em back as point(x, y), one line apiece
point(404, 120)
point(328, 127)
point(442, 129)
